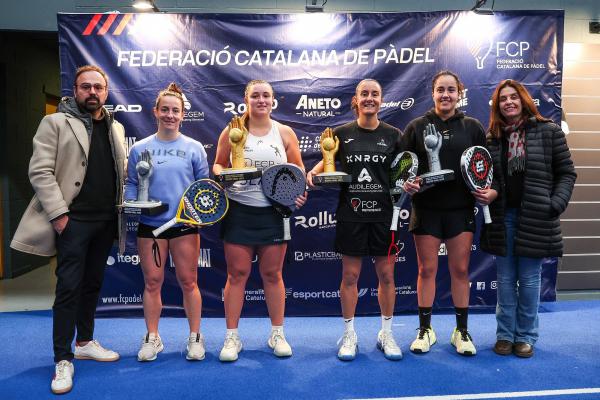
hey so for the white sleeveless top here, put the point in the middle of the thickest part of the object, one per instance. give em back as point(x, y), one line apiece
point(260, 152)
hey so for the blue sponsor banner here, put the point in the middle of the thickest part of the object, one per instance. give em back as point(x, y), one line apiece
point(314, 62)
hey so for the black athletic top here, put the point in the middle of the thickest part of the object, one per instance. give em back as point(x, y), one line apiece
point(458, 133)
point(366, 155)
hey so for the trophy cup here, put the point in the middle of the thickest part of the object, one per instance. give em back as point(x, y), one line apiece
point(433, 143)
point(237, 140)
point(330, 145)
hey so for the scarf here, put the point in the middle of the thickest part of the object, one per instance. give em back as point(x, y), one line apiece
point(516, 147)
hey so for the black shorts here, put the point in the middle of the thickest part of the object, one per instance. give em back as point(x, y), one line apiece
point(442, 224)
point(251, 226)
point(145, 231)
point(362, 238)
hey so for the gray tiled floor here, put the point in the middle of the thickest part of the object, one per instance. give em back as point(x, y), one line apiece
point(31, 291)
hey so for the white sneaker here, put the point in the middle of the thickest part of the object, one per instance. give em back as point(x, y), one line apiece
point(195, 348)
point(349, 346)
point(425, 339)
point(94, 351)
point(151, 346)
point(387, 344)
point(277, 342)
point(461, 339)
point(231, 347)
point(62, 382)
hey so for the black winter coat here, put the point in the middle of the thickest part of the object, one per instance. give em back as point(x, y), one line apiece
point(547, 187)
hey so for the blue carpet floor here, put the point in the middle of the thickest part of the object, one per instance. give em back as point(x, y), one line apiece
point(567, 357)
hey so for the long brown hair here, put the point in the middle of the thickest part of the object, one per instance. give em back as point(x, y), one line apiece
point(529, 109)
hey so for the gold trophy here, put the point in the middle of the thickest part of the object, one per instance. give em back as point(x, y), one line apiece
point(237, 140)
point(330, 145)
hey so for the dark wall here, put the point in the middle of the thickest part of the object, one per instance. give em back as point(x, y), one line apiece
point(29, 69)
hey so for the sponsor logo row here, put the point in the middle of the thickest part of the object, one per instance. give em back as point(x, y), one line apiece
point(309, 295)
point(204, 260)
point(302, 295)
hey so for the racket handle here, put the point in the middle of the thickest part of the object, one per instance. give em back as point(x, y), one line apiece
point(164, 227)
point(395, 216)
point(486, 214)
point(286, 229)
point(403, 197)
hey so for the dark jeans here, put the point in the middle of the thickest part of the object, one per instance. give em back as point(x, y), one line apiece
point(82, 250)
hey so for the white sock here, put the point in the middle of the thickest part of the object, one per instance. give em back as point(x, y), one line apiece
point(194, 334)
point(235, 331)
point(349, 324)
point(276, 327)
point(386, 323)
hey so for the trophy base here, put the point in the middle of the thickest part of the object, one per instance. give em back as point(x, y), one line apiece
point(396, 191)
point(150, 207)
point(431, 178)
point(238, 174)
point(331, 178)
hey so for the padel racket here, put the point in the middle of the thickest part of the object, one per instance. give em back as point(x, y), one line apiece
point(282, 184)
point(478, 171)
point(403, 168)
point(203, 203)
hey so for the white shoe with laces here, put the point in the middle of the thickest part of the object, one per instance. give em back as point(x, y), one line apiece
point(231, 347)
point(94, 351)
point(387, 344)
point(349, 346)
point(195, 348)
point(151, 346)
point(425, 339)
point(461, 339)
point(277, 342)
point(62, 382)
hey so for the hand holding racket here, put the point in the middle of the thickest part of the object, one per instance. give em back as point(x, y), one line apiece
point(282, 184)
point(203, 203)
point(478, 171)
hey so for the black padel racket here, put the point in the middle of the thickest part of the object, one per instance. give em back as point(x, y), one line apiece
point(282, 184)
point(203, 203)
point(403, 168)
point(478, 171)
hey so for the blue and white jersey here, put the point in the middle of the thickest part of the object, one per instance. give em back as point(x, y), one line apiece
point(175, 165)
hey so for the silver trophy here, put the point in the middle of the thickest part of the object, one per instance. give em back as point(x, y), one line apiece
point(144, 172)
point(132, 209)
point(432, 140)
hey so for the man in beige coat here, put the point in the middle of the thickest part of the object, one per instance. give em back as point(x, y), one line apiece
point(76, 171)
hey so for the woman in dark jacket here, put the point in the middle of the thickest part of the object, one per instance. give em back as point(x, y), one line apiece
point(533, 181)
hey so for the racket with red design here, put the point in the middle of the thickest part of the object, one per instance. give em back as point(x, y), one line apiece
point(478, 171)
